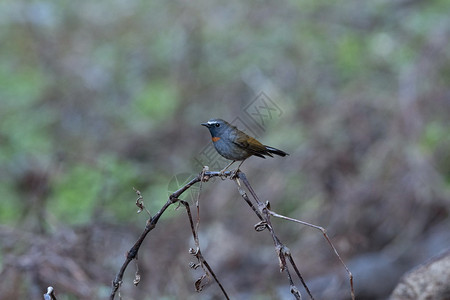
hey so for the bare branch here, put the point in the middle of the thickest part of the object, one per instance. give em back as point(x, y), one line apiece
point(324, 232)
point(198, 254)
point(262, 211)
point(140, 203)
point(264, 214)
point(50, 295)
point(151, 224)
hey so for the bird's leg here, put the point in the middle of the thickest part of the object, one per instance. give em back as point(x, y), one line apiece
point(222, 173)
point(233, 174)
point(240, 164)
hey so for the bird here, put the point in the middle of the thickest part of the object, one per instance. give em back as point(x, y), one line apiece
point(235, 145)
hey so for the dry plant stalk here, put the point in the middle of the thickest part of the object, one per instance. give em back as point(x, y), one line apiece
point(263, 212)
point(50, 295)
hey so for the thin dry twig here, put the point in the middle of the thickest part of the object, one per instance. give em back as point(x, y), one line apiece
point(262, 211)
point(198, 254)
point(324, 232)
point(151, 224)
point(50, 295)
point(264, 208)
point(140, 202)
point(280, 248)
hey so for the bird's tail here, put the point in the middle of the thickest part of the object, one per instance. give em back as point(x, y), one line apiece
point(276, 151)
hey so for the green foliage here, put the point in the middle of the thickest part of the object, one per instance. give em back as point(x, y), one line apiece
point(435, 134)
point(156, 101)
point(435, 143)
point(21, 86)
point(22, 132)
point(350, 47)
point(10, 207)
point(76, 193)
point(104, 188)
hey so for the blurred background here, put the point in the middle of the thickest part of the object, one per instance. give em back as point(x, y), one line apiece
point(98, 97)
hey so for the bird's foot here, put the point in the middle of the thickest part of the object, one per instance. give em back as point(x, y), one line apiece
point(222, 174)
point(234, 173)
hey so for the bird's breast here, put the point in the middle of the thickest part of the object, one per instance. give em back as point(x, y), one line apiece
point(229, 150)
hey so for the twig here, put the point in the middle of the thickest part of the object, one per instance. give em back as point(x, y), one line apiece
point(265, 209)
point(140, 203)
point(198, 254)
point(324, 232)
point(151, 224)
point(280, 248)
point(50, 295)
point(263, 212)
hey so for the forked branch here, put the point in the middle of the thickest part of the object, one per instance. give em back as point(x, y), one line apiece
point(264, 214)
point(262, 211)
point(151, 224)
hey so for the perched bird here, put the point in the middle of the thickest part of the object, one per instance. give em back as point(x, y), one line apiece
point(236, 145)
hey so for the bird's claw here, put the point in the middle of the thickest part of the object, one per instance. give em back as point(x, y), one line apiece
point(222, 175)
point(234, 173)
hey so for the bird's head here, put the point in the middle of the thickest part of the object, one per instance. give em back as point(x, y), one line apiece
point(217, 127)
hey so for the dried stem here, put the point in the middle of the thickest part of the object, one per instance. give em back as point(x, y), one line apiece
point(50, 295)
point(266, 212)
point(324, 232)
point(151, 224)
point(281, 249)
point(198, 254)
point(262, 211)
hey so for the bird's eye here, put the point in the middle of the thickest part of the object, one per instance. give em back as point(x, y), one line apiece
point(217, 125)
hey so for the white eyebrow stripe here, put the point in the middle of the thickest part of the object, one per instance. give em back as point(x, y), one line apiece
point(210, 123)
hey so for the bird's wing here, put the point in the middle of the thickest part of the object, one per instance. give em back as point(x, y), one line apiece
point(250, 144)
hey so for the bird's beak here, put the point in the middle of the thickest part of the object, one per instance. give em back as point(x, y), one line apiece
point(206, 125)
